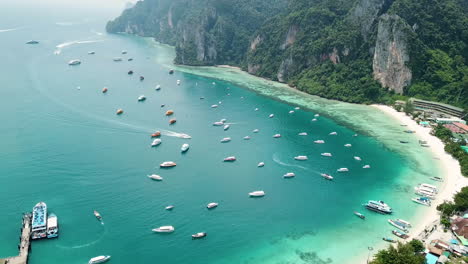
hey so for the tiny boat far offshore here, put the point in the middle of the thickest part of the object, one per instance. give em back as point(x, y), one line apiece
point(97, 215)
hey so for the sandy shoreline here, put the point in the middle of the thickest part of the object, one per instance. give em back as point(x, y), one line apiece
point(449, 170)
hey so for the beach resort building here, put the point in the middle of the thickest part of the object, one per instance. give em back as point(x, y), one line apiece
point(460, 229)
point(437, 108)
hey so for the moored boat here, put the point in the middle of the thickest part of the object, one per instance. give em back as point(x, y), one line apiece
point(257, 194)
point(178, 82)
point(398, 225)
point(130, 72)
point(32, 42)
point(99, 259)
point(319, 141)
point(261, 164)
point(366, 167)
point(333, 133)
point(199, 235)
point(357, 158)
point(226, 127)
point(39, 221)
point(289, 175)
point(167, 164)
point(302, 134)
point(117, 59)
point(158, 87)
point(104, 90)
point(342, 170)
point(226, 139)
point(119, 112)
point(142, 78)
point(164, 229)
point(399, 234)
point(348, 145)
point(52, 226)
point(391, 240)
point(255, 130)
point(141, 98)
point(246, 138)
point(169, 207)
point(169, 112)
point(326, 154)
point(156, 142)
point(171, 71)
point(218, 123)
point(172, 121)
point(277, 135)
point(378, 206)
point(422, 200)
point(156, 134)
point(214, 106)
point(271, 115)
point(436, 178)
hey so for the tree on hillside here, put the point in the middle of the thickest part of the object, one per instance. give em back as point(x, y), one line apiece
point(408, 107)
point(408, 253)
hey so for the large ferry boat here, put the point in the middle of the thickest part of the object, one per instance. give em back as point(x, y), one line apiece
point(52, 226)
point(39, 221)
point(378, 206)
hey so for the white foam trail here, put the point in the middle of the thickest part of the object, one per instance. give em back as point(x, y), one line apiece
point(67, 24)
point(173, 133)
point(70, 43)
point(8, 29)
point(96, 32)
point(278, 161)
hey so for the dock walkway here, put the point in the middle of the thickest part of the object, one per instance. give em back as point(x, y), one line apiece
point(24, 245)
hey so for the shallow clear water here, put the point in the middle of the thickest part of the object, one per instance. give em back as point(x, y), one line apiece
point(66, 146)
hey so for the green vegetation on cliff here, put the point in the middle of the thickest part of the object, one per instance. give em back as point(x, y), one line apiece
point(360, 51)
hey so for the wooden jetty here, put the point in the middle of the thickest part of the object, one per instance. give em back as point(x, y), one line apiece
point(24, 245)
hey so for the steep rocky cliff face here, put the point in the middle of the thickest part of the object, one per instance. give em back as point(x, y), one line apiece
point(351, 50)
point(391, 53)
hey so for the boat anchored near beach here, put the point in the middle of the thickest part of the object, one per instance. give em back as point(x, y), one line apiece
point(422, 200)
point(155, 177)
point(378, 206)
point(99, 259)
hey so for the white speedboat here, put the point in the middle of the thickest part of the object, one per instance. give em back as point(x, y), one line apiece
point(342, 170)
point(156, 142)
point(316, 115)
point(164, 229)
point(326, 154)
point(226, 127)
point(158, 87)
point(167, 164)
point(326, 176)
point(212, 205)
point(99, 259)
point(333, 134)
point(277, 135)
point(314, 119)
point(302, 134)
point(319, 141)
point(422, 200)
point(271, 115)
point(289, 175)
point(348, 145)
point(255, 130)
point(226, 139)
point(74, 62)
point(185, 136)
point(261, 164)
point(366, 167)
point(291, 112)
point(185, 147)
point(218, 123)
point(357, 158)
point(246, 138)
point(257, 194)
point(169, 207)
point(223, 120)
point(297, 108)
point(300, 158)
point(199, 235)
point(141, 98)
point(429, 186)
point(155, 177)
point(214, 106)
point(178, 82)
point(256, 109)
point(117, 59)
point(91, 52)
point(231, 158)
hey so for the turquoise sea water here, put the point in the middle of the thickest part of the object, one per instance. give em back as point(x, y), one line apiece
point(66, 146)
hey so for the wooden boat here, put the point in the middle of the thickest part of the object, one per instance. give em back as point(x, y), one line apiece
point(172, 121)
point(400, 234)
point(387, 239)
point(120, 111)
point(404, 142)
point(169, 112)
point(104, 90)
point(156, 134)
point(359, 215)
point(435, 178)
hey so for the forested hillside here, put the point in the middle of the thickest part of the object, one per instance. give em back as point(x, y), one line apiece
point(359, 51)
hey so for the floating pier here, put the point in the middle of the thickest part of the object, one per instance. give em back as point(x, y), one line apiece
point(24, 245)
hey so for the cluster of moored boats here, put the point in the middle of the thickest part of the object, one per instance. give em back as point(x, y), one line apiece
point(43, 225)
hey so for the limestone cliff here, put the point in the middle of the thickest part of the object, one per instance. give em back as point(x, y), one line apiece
point(391, 53)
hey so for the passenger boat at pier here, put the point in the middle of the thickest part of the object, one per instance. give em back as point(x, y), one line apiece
point(39, 221)
point(52, 226)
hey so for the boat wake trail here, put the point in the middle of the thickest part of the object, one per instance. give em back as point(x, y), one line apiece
point(96, 32)
point(86, 244)
point(278, 161)
point(61, 46)
point(9, 29)
point(67, 24)
point(174, 134)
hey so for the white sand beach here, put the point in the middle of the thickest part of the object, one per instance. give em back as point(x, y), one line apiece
point(449, 170)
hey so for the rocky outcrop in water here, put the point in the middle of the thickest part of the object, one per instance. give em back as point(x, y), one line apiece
point(391, 54)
